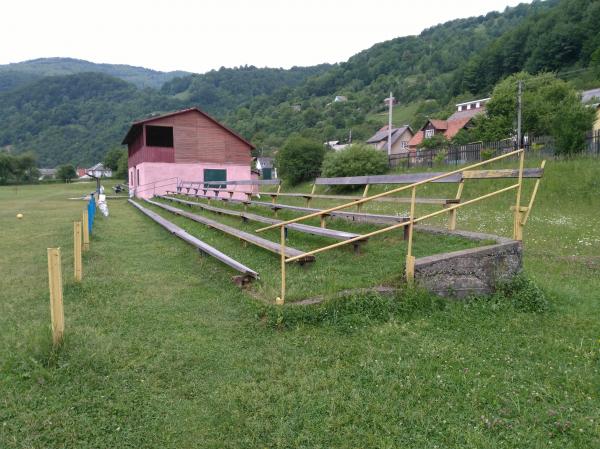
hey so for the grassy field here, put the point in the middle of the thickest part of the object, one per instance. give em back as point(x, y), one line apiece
point(162, 350)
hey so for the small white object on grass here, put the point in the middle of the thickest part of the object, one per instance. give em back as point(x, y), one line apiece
point(19, 216)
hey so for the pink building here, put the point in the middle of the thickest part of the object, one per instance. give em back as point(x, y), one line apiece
point(186, 145)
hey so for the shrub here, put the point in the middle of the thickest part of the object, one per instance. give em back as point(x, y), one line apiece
point(356, 160)
point(487, 153)
point(66, 172)
point(435, 142)
point(440, 157)
point(300, 160)
point(524, 294)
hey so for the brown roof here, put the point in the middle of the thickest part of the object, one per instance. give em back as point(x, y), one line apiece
point(467, 113)
point(382, 134)
point(438, 124)
point(137, 125)
point(416, 139)
point(450, 128)
point(454, 126)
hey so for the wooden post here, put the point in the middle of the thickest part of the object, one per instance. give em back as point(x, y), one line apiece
point(57, 317)
point(452, 217)
point(86, 230)
point(517, 222)
point(77, 250)
point(533, 195)
point(410, 260)
point(365, 192)
point(281, 299)
point(323, 223)
point(312, 192)
point(274, 197)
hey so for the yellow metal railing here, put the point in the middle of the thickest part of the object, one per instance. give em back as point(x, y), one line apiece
point(519, 221)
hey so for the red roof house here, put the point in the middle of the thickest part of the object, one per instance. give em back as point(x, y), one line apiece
point(461, 119)
point(186, 145)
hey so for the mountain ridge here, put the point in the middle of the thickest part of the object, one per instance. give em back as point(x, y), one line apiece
point(445, 64)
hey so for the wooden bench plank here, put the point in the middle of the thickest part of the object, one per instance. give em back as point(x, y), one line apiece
point(503, 173)
point(197, 243)
point(351, 216)
point(324, 232)
point(408, 178)
point(250, 238)
point(387, 199)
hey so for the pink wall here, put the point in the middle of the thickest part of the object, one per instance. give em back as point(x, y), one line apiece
point(155, 178)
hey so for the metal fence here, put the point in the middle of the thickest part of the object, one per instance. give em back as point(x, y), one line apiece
point(542, 146)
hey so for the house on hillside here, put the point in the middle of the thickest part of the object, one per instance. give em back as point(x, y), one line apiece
point(186, 145)
point(461, 119)
point(433, 127)
point(336, 145)
point(596, 126)
point(400, 138)
point(593, 96)
point(95, 171)
point(47, 173)
point(340, 99)
point(266, 167)
point(469, 109)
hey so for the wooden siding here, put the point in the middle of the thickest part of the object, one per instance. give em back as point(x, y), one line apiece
point(138, 153)
point(196, 139)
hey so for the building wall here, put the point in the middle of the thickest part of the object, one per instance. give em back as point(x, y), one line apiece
point(397, 145)
point(155, 178)
point(597, 123)
point(198, 139)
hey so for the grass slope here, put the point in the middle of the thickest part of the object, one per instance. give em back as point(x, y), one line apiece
point(163, 351)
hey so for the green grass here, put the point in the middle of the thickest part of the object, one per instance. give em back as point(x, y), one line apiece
point(403, 114)
point(381, 261)
point(162, 350)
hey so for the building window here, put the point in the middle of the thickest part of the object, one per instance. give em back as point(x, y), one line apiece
point(429, 133)
point(403, 144)
point(211, 175)
point(159, 136)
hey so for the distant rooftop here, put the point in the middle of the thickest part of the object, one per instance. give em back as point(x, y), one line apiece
point(588, 95)
point(481, 101)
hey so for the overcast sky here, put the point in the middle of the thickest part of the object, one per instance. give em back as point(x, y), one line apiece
point(198, 36)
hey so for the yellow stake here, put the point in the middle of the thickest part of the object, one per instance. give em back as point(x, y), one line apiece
point(517, 225)
point(410, 260)
point(77, 250)
point(57, 317)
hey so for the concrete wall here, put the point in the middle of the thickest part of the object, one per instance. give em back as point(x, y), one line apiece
point(472, 271)
point(155, 178)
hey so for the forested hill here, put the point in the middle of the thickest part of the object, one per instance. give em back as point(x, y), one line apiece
point(223, 90)
point(445, 64)
point(12, 75)
point(74, 118)
point(77, 117)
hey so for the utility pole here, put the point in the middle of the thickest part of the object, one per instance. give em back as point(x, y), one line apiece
point(390, 104)
point(519, 112)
